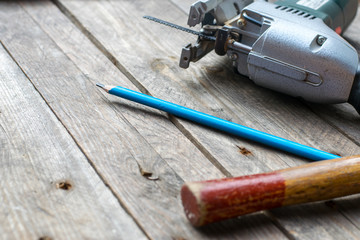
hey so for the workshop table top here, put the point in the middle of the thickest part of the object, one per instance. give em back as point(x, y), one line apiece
point(77, 163)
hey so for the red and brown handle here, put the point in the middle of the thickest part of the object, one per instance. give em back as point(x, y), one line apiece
point(210, 201)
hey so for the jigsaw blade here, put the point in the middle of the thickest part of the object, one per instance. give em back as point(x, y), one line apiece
point(200, 34)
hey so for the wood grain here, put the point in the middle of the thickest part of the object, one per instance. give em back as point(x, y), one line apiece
point(215, 200)
point(152, 125)
point(64, 65)
point(322, 180)
point(344, 118)
point(48, 188)
point(210, 86)
point(205, 89)
point(210, 201)
point(105, 131)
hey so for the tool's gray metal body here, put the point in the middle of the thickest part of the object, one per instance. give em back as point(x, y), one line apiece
point(287, 56)
point(223, 10)
point(289, 51)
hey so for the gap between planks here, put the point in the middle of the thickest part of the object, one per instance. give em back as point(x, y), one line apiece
point(77, 144)
point(78, 69)
point(137, 84)
point(110, 57)
point(40, 99)
point(182, 5)
point(142, 88)
point(173, 119)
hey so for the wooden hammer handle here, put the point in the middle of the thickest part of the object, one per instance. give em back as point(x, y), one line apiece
point(210, 201)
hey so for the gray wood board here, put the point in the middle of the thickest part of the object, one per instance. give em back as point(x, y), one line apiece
point(39, 160)
point(116, 140)
point(149, 56)
point(342, 116)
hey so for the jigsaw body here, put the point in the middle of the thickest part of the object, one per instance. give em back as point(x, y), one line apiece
point(291, 46)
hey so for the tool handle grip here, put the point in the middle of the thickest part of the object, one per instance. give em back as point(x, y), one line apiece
point(210, 201)
point(354, 98)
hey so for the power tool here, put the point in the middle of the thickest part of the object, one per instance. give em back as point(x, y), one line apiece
point(291, 46)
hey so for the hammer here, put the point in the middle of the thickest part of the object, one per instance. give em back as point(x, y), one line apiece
point(214, 200)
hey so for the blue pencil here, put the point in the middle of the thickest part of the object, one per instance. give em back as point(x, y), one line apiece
point(220, 124)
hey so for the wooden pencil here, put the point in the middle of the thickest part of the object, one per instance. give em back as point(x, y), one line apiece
point(220, 124)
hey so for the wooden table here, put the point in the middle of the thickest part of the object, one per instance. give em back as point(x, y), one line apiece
point(73, 158)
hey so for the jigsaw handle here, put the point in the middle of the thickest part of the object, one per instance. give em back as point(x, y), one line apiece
point(210, 201)
point(354, 98)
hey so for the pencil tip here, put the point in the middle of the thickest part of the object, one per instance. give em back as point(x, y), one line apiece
point(100, 85)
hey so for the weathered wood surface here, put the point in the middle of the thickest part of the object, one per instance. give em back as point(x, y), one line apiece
point(48, 188)
point(203, 87)
point(108, 137)
point(64, 48)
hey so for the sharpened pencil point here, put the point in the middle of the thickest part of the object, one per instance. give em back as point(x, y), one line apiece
point(100, 85)
point(106, 88)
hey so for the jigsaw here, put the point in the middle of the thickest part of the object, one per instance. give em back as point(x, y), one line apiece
point(290, 46)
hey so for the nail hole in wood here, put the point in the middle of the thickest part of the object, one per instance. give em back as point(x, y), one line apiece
point(244, 151)
point(45, 238)
point(148, 175)
point(64, 185)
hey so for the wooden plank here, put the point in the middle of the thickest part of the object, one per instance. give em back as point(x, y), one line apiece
point(37, 158)
point(184, 5)
point(123, 35)
point(159, 133)
point(343, 117)
point(198, 81)
point(105, 131)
